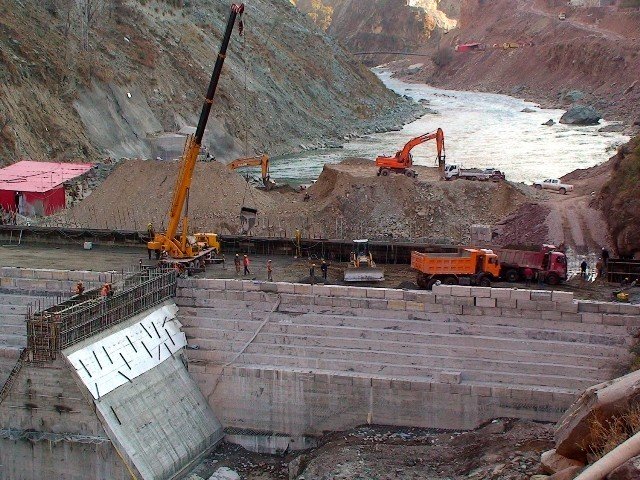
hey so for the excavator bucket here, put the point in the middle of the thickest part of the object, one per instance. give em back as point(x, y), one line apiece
point(363, 274)
point(248, 218)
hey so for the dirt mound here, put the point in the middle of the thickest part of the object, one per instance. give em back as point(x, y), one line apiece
point(525, 227)
point(140, 191)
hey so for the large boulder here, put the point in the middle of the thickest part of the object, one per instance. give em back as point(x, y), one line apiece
point(581, 115)
point(602, 401)
point(552, 462)
point(225, 473)
point(630, 470)
point(573, 96)
point(566, 474)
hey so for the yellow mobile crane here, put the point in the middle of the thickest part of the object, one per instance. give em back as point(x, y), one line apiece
point(181, 247)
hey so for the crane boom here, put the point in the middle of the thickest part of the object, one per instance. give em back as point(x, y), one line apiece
point(179, 248)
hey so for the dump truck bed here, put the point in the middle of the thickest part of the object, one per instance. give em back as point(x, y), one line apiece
point(463, 263)
point(521, 258)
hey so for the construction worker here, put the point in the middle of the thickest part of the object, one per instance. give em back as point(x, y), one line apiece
point(79, 288)
point(236, 261)
point(528, 276)
point(312, 273)
point(269, 271)
point(325, 269)
point(583, 269)
point(245, 262)
point(104, 291)
point(599, 268)
point(605, 260)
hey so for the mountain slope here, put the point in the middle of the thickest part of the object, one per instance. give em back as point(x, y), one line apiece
point(146, 69)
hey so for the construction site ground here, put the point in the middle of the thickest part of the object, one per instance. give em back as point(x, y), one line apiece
point(503, 449)
point(104, 258)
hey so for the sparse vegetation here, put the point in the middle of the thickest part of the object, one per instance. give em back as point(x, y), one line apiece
point(608, 434)
point(317, 11)
point(442, 57)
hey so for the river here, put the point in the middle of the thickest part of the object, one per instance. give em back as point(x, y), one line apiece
point(481, 130)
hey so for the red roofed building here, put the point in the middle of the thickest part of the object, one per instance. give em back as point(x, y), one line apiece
point(37, 188)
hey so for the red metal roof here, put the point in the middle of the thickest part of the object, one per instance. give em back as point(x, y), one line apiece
point(30, 176)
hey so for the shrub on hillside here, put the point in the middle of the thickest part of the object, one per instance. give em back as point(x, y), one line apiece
point(443, 56)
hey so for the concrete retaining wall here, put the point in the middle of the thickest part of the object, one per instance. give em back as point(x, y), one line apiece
point(299, 360)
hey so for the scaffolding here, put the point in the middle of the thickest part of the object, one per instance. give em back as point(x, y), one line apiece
point(82, 316)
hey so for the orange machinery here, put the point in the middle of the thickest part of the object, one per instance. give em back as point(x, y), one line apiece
point(470, 266)
point(180, 246)
point(257, 161)
point(402, 161)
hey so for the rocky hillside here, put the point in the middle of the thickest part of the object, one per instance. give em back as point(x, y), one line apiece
point(72, 88)
point(594, 51)
point(386, 25)
point(620, 199)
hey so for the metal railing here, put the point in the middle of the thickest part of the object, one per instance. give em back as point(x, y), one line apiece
point(82, 316)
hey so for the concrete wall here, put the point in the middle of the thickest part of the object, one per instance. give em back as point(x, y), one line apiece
point(67, 440)
point(299, 360)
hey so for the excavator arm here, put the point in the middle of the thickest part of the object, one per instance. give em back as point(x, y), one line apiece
point(179, 247)
point(404, 154)
point(261, 161)
point(402, 161)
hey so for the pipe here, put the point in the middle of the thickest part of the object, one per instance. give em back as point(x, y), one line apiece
point(612, 460)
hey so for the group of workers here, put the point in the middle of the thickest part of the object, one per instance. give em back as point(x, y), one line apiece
point(242, 265)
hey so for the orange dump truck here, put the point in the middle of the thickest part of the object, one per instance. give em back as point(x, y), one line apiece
point(468, 267)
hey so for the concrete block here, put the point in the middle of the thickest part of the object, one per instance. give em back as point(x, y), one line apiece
point(341, 301)
point(216, 283)
point(301, 289)
point(47, 274)
point(357, 292)
point(521, 294)
point(254, 296)
point(438, 387)
point(397, 305)
point(340, 291)
point(567, 307)
point(358, 302)
point(409, 296)
point(552, 315)
point(233, 284)
point(441, 289)
point(425, 297)
point(452, 309)
point(433, 308)
point(501, 293)
point(623, 320)
point(250, 286)
point(586, 306)
point(418, 386)
point(321, 290)
point(589, 317)
point(460, 291)
point(453, 377)
point(628, 309)
point(541, 295)
point(377, 304)
point(400, 384)
point(375, 293)
point(485, 302)
point(609, 308)
point(465, 301)
point(562, 297)
point(572, 317)
point(269, 287)
point(393, 294)
point(526, 304)
point(545, 305)
point(286, 288)
point(506, 303)
point(481, 292)
point(481, 390)
point(460, 389)
point(414, 306)
point(381, 383)
point(444, 299)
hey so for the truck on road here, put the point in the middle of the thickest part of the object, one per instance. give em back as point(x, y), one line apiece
point(553, 184)
point(452, 171)
point(470, 266)
point(548, 264)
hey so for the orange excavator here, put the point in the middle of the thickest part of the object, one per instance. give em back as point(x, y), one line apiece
point(180, 246)
point(261, 161)
point(402, 161)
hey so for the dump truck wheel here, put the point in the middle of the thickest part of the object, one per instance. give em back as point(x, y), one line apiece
point(384, 172)
point(450, 281)
point(485, 282)
point(511, 275)
point(408, 173)
point(421, 280)
point(473, 179)
point(553, 279)
point(431, 283)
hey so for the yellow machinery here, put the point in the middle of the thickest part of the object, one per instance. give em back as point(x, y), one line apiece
point(261, 161)
point(361, 267)
point(180, 246)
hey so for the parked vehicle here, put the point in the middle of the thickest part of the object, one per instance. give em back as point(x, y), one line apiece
point(455, 171)
point(553, 184)
point(468, 267)
point(548, 262)
point(562, 16)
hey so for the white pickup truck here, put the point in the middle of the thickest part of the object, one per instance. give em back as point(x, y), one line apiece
point(553, 184)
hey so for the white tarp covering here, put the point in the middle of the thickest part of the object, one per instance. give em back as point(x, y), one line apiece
point(128, 353)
